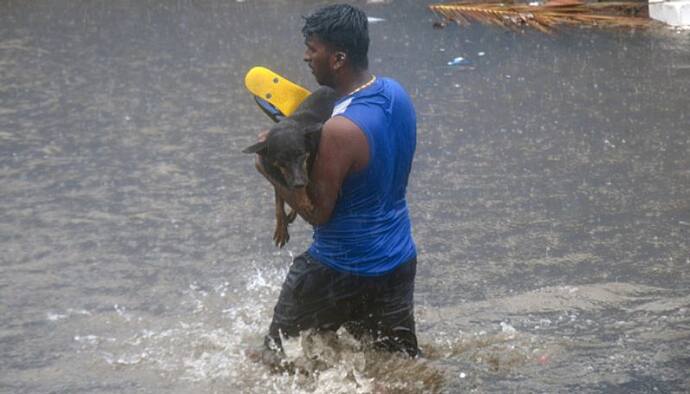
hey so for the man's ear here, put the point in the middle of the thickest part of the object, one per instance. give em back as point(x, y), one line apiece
point(339, 59)
point(256, 148)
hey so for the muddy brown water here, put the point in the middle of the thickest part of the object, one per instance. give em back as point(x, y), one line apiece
point(550, 198)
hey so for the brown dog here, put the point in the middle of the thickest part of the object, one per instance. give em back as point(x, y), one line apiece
point(289, 150)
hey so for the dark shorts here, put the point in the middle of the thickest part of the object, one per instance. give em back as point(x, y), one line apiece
point(315, 296)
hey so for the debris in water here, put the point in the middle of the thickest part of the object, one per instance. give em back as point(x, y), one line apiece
point(439, 25)
point(543, 359)
point(460, 61)
point(544, 17)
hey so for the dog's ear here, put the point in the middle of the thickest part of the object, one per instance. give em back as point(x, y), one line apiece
point(256, 148)
point(312, 136)
point(312, 129)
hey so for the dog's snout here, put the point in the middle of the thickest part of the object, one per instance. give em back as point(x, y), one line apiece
point(299, 180)
point(299, 175)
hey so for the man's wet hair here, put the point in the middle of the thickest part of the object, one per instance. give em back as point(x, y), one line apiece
point(343, 27)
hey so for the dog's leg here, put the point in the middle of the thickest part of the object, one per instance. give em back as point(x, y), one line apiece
point(281, 235)
point(291, 216)
point(302, 199)
point(304, 203)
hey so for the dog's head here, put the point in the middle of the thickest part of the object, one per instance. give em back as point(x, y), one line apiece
point(286, 147)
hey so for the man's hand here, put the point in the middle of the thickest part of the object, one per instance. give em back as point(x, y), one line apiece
point(262, 136)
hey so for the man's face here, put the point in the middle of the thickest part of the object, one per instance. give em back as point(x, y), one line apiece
point(321, 60)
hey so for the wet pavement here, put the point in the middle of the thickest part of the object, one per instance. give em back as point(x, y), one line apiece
point(550, 199)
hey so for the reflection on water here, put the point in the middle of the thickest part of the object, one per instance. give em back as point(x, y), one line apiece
point(550, 199)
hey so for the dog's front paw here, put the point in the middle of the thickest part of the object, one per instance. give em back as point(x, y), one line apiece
point(281, 235)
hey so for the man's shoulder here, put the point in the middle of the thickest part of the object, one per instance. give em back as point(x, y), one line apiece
point(343, 138)
point(394, 91)
point(340, 126)
point(393, 85)
point(344, 132)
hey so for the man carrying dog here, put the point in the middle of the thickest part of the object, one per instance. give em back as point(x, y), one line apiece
point(360, 269)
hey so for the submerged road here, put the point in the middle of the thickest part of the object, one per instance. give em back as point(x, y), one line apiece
point(550, 198)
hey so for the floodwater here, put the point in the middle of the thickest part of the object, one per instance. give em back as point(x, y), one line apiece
point(550, 198)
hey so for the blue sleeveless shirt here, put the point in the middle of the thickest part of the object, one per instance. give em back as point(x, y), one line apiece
point(369, 232)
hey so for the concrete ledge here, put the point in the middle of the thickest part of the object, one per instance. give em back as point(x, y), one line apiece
point(671, 12)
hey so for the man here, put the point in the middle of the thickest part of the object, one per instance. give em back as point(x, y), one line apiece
point(360, 268)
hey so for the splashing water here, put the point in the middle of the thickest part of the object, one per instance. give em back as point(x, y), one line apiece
point(199, 348)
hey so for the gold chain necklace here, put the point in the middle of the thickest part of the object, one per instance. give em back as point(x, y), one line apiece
point(364, 86)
